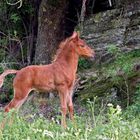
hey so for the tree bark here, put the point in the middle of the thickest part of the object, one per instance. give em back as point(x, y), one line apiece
point(50, 29)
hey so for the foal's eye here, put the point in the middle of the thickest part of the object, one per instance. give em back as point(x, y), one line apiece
point(82, 46)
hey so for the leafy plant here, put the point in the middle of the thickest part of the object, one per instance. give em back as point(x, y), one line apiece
point(124, 62)
point(84, 64)
point(134, 109)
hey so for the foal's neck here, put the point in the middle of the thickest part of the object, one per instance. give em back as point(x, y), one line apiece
point(69, 58)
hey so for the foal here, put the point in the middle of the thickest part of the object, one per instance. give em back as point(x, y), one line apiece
point(60, 76)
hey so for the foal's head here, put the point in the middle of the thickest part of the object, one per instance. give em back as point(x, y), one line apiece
point(74, 43)
point(81, 47)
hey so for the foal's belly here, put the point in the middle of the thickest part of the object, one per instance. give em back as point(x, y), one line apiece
point(44, 86)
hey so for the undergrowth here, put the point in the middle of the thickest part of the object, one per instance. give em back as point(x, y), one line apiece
point(124, 62)
point(113, 125)
point(7, 88)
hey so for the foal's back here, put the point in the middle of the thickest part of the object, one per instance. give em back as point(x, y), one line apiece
point(35, 77)
point(42, 78)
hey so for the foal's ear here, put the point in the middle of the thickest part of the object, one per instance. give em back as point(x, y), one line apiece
point(75, 36)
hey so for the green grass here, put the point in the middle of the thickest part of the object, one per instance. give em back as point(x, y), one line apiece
point(111, 125)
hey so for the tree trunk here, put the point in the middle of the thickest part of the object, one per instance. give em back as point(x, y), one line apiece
point(32, 29)
point(50, 29)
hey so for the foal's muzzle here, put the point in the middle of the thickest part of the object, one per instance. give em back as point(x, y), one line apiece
point(92, 58)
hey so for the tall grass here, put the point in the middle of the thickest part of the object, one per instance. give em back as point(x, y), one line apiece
point(110, 126)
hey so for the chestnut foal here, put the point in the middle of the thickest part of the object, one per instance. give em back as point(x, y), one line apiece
point(60, 76)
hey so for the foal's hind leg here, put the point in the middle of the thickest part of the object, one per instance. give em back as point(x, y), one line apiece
point(19, 98)
point(15, 103)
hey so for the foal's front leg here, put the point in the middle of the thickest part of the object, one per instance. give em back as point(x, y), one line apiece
point(63, 93)
point(71, 112)
point(70, 105)
point(70, 102)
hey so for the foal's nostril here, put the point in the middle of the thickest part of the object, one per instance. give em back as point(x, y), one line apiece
point(93, 56)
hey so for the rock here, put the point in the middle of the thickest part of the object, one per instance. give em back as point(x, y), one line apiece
point(117, 89)
point(119, 27)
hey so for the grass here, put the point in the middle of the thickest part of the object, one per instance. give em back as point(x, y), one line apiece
point(111, 125)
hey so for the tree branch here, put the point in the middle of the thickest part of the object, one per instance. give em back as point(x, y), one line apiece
point(82, 16)
point(20, 3)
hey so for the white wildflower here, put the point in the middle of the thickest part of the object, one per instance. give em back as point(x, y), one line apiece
point(48, 133)
point(118, 109)
point(110, 105)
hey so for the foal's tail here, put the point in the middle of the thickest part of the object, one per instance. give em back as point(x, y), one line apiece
point(2, 76)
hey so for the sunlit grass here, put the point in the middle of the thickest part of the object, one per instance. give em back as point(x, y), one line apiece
point(110, 126)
